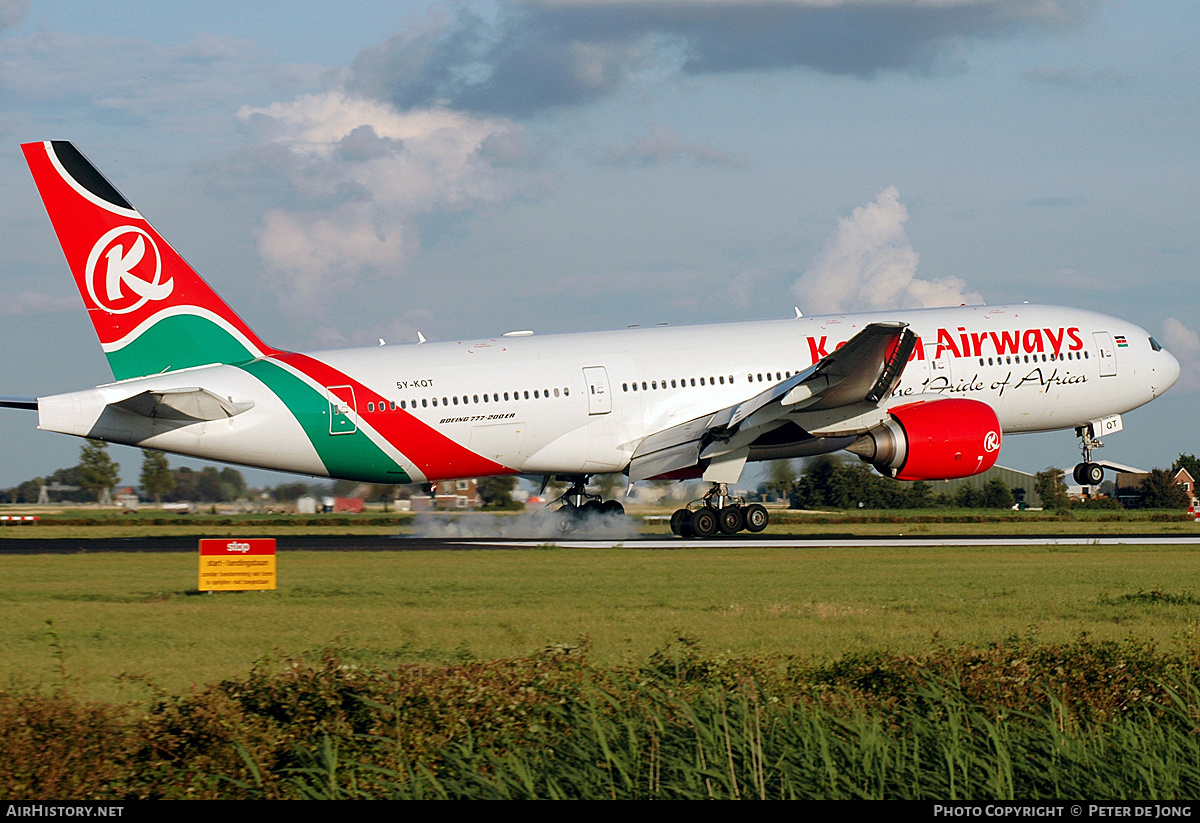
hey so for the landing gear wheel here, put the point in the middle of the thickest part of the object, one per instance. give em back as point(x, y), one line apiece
point(704, 522)
point(685, 527)
point(1079, 474)
point(730, 520)
point(1095, 474)
point(564, 520)
point(613, 508)
point(756, 518)
point(680, 517)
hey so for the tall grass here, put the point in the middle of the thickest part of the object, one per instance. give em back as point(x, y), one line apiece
point(1008, 721)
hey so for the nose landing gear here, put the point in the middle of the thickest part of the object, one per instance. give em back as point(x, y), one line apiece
point(1088, 473)
point(716, 512)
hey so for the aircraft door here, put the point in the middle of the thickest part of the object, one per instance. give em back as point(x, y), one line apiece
point(940, 375)
point(1107, 353)
point(599, 398)
point(343, 414)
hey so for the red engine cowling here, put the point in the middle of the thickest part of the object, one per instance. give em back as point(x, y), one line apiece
point(933, 440)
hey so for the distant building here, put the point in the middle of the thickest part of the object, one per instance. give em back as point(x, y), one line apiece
point(127, 500)
point(1129, 486)
point(448, 494)
point(1184, 479)
point(1012, 478)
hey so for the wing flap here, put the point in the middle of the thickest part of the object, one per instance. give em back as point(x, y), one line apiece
point(864, 370)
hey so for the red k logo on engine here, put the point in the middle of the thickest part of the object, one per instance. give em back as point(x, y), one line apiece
point(124, 271)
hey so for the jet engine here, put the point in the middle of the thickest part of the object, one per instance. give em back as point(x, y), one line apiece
point(933, 440)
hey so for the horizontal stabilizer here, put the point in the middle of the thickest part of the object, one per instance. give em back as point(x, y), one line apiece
point(18, 402)
point(189, 404)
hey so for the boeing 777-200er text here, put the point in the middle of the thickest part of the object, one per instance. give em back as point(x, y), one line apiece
point(919, 394)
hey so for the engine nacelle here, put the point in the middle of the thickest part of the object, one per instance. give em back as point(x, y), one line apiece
point(933, 440)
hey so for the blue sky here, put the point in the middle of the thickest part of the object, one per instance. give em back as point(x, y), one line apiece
point(365, 170)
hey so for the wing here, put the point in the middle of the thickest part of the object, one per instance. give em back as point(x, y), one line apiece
point(864, 370)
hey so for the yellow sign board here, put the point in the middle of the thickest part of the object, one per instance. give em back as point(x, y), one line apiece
point(237, 564)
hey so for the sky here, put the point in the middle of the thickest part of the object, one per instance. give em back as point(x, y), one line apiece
point(365, 170)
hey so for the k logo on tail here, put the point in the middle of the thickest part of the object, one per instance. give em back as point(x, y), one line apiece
point(132, 275)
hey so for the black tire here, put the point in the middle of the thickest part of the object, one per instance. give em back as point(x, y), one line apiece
point(756, 518)
point(730, 520)
point(1095, 474)
point(1080, 474)
point(613, 508)
point(565, 520)
point(680, 517)
point(704, 522)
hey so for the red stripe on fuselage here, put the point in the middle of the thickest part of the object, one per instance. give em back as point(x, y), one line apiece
point(436, 455)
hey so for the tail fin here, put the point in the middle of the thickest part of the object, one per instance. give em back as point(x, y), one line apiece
point(150, 309)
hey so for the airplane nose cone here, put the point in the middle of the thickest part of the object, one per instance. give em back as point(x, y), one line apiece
point(1170, 370)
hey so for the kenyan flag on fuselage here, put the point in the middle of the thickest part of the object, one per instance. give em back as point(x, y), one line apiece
point(150, 309)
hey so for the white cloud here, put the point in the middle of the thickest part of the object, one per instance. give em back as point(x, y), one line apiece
point(868, 263)
point(741, 286)
point(661, 145)
point(364, 172)
point(1185, 345)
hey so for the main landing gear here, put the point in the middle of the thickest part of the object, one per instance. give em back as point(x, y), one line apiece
point(718, 512)
point(583, 511)
point(1088, 473)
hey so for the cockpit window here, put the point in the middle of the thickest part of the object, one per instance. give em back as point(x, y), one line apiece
point(1154, 344)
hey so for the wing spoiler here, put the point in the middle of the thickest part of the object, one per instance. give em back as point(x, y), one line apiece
point(866, 369)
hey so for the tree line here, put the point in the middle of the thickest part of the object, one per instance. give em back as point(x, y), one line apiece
point(97, 473)
point(829, 482)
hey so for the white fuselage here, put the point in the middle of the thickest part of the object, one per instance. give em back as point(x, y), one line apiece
point(582, 403)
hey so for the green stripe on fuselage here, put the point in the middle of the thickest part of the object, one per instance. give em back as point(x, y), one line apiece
point(350, 456)
point(177, 342)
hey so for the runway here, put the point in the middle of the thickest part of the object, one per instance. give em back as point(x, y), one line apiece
point(407, 543)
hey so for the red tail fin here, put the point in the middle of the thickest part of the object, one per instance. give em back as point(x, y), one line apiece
point(150, 309)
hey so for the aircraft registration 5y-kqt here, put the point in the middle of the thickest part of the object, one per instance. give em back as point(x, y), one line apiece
point(919, 394)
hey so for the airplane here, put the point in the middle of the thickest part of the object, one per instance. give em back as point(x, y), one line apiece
point(920, 394)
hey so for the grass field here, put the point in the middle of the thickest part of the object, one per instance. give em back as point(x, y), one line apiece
point(118, 627)
point(938, 673)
